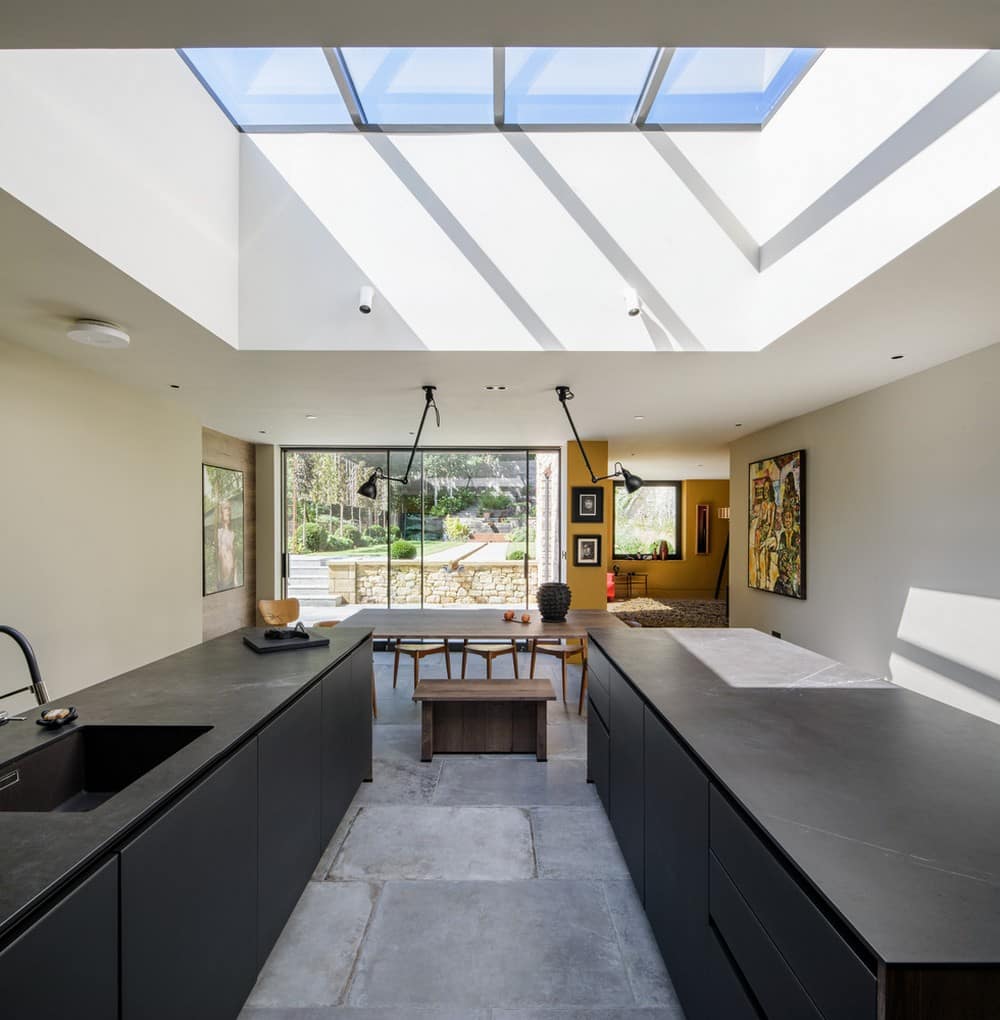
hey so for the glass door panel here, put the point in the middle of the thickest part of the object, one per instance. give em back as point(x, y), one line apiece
point(406, 503)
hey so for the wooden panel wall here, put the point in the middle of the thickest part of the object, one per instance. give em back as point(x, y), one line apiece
point(228, 610)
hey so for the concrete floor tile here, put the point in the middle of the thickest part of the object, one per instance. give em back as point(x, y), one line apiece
point(646, 970)
point(576, 842)
point(514, 781)
point(356, 1013)
point(566, 739)
point(495, 944)
point(311, 963)
point(455, 843)
point(326, 861)
point(611, 1013)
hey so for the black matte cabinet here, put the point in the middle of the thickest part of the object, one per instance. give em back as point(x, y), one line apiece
point(189, 901)
point(290, 764)
point(66, 963)
point(347, 736)
point(598, 751)
point(626, 775)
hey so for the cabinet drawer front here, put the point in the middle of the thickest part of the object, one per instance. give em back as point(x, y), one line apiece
point(598, 751)
point(599, 668)
point(762, 966)
point(833, 975)
point(598, 692)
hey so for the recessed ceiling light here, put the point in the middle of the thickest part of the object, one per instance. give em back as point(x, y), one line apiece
point(175, 386)
point(639, 417)
point(897, 357)
point(311, 417)
point(494, 387)
point(95, 333)
point(738, 425)
point(262, 432)
point(413, 433)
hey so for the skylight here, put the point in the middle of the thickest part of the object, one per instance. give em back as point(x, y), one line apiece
point(727, 86)
point(322, 89)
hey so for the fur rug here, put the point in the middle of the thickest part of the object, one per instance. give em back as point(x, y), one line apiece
point(672, 612)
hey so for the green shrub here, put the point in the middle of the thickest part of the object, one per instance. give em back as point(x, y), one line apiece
point(515, 554)
point(403, 550)
point(455, 530)
point(394, 532)
point(312, 537)
point(495, 500)
point(461, 499)
point(339, 544)
point(353, 535)
point(375, 535)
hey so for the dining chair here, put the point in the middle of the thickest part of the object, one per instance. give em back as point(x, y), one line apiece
point(333, 623)
point(278, 612)
point(489, 652)
point(418, 652)
point(564, 651)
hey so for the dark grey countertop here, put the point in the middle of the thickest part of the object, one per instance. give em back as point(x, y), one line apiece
point(887, 802)
point(220, 683)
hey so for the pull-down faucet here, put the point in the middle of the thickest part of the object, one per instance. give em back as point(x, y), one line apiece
point(37, 687)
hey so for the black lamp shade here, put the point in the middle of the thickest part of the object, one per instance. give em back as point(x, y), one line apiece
point(370, 488)
point(632, 482)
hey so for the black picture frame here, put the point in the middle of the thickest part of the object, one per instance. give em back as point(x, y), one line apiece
point(587, 504)
point(587, 551)
point(222, 485)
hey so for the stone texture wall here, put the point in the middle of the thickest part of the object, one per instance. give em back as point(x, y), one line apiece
point(492, 584)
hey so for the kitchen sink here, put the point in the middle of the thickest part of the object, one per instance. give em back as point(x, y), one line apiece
point(80, 770)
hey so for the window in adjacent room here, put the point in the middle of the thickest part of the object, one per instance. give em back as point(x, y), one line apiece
point(646, 519)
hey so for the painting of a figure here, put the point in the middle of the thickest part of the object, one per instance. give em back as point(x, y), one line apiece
point(222, 529)
point(776, 536)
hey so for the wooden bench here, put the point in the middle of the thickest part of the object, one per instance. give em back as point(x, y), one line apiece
point(483, 716)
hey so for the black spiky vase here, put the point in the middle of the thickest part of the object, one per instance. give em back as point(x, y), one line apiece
point(553, 599)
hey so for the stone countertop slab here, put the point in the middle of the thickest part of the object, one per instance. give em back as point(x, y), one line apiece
point(887, 803)
point(221, 683)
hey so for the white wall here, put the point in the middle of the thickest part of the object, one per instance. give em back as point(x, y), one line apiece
point(126, 152)
point(100, 560)
point(902, 540)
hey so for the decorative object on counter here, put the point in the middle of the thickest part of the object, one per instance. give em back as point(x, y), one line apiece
point(509, 615)
point(632, 482)
point(258, 640)
point(222, 529)
point(54, 717)
point(284, 634)
point(587, 505)
point(587, 551)
point(525, 617)
point(553, 598)
point(37, 687)
point(369, 488)
point(701, 529)
point(776, 525)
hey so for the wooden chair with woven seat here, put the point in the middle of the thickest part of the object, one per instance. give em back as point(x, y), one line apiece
point(278, 612)
point(333, 623)
point(489, 652)
point(564, 651)
point(418, 652)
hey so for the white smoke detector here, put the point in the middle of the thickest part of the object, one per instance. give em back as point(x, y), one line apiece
point(95, 333)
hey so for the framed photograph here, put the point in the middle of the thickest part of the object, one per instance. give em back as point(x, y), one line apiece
point(776, 525)
point(222, 529)
point(587, 551)
point(701, 529)
point(588, 505)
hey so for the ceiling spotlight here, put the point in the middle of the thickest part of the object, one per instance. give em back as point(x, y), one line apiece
point(632, 482)
point(366, 299)
point(494, 387)
point(633, 306)
point(369, 488)
point(95, 333)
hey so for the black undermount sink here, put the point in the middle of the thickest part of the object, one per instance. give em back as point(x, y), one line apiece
point(86, 766)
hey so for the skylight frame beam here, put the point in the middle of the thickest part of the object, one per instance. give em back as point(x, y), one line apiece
point(345, 83)
point(499, 86)
point(651, 88)
point(791, 88)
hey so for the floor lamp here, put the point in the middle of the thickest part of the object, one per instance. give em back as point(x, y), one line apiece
point(723, 516)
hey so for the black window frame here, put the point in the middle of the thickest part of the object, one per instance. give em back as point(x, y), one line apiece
point(678, 545)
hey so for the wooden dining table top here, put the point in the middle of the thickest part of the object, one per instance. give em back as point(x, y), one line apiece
point(487, 622)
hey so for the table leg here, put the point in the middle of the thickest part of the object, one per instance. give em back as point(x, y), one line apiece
point(541, 738)
point(426, 731)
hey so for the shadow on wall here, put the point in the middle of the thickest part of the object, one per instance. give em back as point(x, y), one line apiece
point(947, 647)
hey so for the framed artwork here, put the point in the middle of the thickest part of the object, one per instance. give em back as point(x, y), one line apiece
point(222, 529)
point(588, 505)
point(776, 525)
point(587, 551)
point(701, 529)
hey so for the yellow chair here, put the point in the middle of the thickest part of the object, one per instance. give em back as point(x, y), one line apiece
point(489, 653)
point(278, 612)
point(333, 623)
point(564, 651)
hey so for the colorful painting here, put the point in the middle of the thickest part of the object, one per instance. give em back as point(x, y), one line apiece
point(776, 538)
point(222, 529)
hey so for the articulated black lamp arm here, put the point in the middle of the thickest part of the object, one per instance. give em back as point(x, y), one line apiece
point(565, 393)
point(379, 473)
point(617, 473)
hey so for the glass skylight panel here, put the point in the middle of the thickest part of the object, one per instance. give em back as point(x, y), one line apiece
point(575, 85)
point(427, 85)
point(727, 86)
point(272, 87)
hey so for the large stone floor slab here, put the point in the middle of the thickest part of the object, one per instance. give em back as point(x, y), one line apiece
point(456, 843)
point(501, 780)
point(390, 1013)
point(477, 944)
point(610, 1013)
point(576, 842)
point(311, 962)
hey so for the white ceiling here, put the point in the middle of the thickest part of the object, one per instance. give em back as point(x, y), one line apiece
point(125, 23)
point(934, 303)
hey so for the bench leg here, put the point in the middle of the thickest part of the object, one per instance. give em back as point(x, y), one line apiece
point(541, 739)
point(426, 731)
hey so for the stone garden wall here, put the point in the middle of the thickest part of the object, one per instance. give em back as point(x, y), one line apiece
point(493, 584)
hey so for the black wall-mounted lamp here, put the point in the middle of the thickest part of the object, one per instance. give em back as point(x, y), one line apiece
point(632, 482)
point(370, 488)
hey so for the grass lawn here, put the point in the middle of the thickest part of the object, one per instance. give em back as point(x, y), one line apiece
point(380, 552)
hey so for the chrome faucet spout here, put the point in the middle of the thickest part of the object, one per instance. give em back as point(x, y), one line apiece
point(37, 687)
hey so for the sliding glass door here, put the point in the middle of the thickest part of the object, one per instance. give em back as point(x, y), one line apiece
point(470, 528)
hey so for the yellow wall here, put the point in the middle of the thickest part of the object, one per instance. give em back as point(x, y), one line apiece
point(588, 584)
point(693, 576)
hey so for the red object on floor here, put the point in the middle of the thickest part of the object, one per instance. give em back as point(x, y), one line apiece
point(611, 587)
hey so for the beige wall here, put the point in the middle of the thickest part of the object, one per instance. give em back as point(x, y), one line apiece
point(224, 611)
point(902, 500)
point(100, 561)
